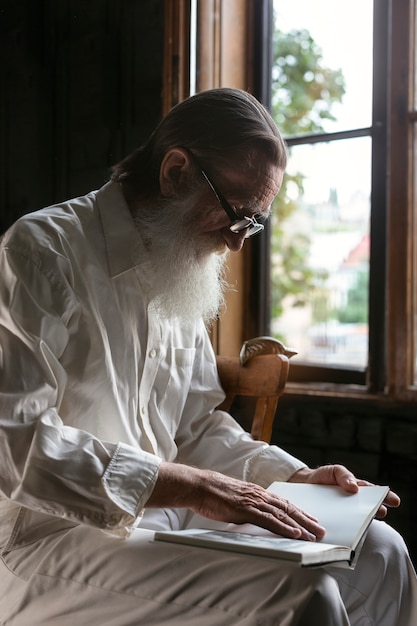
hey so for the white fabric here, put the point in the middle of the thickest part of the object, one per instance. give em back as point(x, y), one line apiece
point(175, 585)
point(382, 589)
point(94, 392)
point(91, 578)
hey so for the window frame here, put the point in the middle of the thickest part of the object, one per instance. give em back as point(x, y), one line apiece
point(393, 256)
point(224, 56)
point(401, 250)
point(392, 300)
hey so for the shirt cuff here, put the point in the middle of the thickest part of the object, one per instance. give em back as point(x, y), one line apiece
point(269, 464)
point(129, 480)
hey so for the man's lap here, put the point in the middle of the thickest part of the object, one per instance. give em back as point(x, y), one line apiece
point(100, 579)
point(88, 575)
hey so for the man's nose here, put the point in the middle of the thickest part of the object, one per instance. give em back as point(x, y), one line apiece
point(234, 241)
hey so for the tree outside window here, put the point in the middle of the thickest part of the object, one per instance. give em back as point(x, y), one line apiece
point(321, 218)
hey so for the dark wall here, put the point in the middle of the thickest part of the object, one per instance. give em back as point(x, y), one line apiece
point(80, 86)
point(376, 441)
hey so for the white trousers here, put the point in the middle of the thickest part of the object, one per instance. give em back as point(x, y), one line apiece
point(83, 577)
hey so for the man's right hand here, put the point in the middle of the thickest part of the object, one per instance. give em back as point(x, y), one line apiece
point(219, 497)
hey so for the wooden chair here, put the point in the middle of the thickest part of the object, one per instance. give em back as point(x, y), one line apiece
point(253, 382)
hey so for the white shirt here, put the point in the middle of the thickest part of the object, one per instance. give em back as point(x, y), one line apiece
point(95, 390)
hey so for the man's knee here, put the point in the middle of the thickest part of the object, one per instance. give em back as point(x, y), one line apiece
point(383, 541)
point(324, 605)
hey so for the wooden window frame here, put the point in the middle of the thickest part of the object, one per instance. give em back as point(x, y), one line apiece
point(392, 292)
point(228, 54)
point(401, 303)
point(393, 301)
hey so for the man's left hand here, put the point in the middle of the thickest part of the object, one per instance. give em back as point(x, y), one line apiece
point(340, 475)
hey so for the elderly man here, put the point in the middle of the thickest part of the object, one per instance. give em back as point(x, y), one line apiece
point(108, 395)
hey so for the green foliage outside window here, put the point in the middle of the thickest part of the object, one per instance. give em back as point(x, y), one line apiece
point(303, 92)
point(356, 309)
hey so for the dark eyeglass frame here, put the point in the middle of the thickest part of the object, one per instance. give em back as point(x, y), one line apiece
point(238, 224)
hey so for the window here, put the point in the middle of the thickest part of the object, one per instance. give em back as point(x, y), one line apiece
point(321, 222)
point(342, 235)
point(361, 304)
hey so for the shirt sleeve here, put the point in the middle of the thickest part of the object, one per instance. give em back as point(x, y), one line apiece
point(46, 465)
point(213, 439)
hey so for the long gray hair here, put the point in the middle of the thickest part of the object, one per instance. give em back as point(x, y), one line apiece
point(218, 126)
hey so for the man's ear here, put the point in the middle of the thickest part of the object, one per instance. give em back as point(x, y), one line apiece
point(173, 171)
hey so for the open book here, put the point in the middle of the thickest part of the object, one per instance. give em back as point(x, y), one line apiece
point(346, 518)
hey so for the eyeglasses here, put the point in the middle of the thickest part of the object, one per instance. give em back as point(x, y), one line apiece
point(238, 224)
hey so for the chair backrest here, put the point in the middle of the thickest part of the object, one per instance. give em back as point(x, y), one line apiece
point(253, 383)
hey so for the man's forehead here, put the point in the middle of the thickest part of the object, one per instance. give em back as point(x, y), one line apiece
point(257, 185)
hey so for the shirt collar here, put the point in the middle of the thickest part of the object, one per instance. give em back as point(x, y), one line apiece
point(125, 249)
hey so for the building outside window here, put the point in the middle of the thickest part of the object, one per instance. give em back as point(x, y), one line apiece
point(322, 102)
point(343, 253)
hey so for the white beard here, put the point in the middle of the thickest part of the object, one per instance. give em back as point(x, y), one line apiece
point(187, 272)
point(188, 289)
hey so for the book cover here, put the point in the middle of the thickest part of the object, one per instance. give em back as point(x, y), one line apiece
point(345, 516)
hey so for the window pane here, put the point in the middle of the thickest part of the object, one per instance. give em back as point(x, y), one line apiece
point(341, 41)
point(320, 253)
point(321, 83)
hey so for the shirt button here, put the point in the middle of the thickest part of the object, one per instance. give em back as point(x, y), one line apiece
point(152, 353)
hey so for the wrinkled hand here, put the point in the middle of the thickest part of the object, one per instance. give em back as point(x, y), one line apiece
point(219, 497)
point(340, 475)
point(240, 502)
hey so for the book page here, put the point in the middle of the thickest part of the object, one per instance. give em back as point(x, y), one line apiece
point(302, 552)
point(345, 516)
